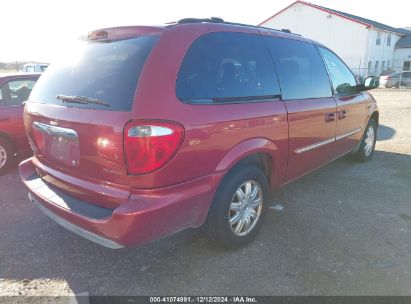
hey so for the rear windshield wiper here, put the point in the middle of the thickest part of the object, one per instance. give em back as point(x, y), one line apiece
point(81, 99)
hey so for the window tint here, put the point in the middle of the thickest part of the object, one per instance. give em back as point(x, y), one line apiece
point(301, 71)
point(224, 67)
point(342, 78)
point(13, 93)
point(106, 71)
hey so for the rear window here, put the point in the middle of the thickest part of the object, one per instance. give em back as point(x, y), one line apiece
point(104, 71)
point(227, 67)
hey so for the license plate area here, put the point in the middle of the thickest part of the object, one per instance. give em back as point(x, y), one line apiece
point(57, 143)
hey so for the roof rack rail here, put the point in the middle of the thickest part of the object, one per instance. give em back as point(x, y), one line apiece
point(199, 20)
point(220, 20)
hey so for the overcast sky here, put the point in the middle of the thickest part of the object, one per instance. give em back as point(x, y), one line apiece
point(38, 29)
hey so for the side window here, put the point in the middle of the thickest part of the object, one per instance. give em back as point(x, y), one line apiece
point(30, 69)
point(13, 93)
point(378, 41)
point(227, 67)
point(342, 78)
point(301, 70)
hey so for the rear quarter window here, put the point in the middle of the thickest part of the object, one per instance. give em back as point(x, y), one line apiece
point(227, 67)
point(106, 71)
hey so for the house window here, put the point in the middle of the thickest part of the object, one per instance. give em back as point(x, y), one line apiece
point(406, 66)
point(389, 40)
point(378, 41)
point(369, 67)
point(376, 67)
point(383, 66)
point(388, 64)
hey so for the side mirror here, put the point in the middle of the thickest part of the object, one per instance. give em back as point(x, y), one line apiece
point(371, 82)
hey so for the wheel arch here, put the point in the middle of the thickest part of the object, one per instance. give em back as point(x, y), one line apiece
point(376, 116)
point(260, 152)
point(9, 139)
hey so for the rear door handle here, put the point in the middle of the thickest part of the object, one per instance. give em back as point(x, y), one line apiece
point(330, 117)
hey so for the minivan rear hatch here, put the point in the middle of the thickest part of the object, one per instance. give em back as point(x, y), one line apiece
point(78, 109)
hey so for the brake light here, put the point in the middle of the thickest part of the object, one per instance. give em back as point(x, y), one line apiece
point(150, 145)
point(385, 77)
point(38, 139)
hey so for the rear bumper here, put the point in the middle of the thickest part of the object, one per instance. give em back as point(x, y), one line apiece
point(388, 83)
point(383, 83)
point(147, 215)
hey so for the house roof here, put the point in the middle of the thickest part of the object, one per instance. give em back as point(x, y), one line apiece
point(367, 22)
point(404, 42)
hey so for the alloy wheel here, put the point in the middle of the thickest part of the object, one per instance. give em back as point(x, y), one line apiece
point(245, 208)
point(3, 156)
point(369, 140)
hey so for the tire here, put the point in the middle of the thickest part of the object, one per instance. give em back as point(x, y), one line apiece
point(6, 155)
point(398, 85)
point(227, 205)
point(367, 145)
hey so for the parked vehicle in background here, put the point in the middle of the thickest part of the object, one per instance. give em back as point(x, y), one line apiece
point(137, 140)
point(14, 90)
point(35, 67)
point(396, 80)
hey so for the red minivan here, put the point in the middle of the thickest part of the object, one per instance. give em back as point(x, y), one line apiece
point(146, 131)
point(14, 91)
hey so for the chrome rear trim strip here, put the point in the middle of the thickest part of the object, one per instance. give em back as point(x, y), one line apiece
point(55, 131)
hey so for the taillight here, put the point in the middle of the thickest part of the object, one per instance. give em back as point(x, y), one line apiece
point(150, 145)
point(38, 139)
point(385, 77)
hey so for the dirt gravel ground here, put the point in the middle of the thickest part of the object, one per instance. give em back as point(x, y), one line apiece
point(344, 230)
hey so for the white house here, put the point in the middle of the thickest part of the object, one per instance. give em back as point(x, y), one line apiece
point(402, 53)
point(366, 46)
